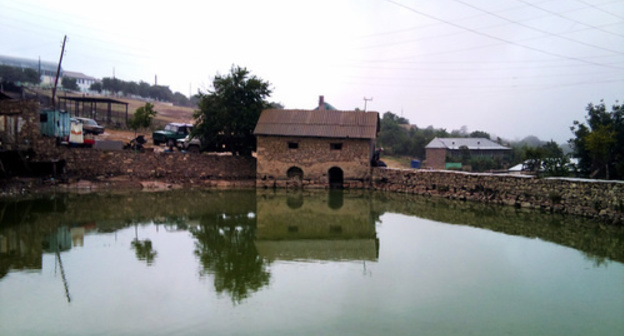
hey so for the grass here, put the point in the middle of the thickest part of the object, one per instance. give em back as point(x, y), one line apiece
point(399, 162)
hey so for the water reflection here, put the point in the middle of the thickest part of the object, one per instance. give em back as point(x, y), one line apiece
point(238, 234)
point(599, 243)
point(226, 251)
point(328, 226)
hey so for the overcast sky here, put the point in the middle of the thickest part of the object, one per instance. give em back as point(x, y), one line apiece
point(512, 68)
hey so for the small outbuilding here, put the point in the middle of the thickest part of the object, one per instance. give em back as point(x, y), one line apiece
point(315, 148)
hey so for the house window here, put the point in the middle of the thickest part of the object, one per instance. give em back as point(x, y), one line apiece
point(335, 146)
point(293, 145)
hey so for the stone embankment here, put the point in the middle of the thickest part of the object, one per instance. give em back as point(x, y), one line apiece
point(589, 198)
point(89, 168)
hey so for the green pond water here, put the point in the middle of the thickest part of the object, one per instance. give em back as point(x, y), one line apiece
point(313, 263)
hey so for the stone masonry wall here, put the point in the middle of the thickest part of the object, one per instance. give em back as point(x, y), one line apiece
point(588, 198)
point(314, 157)
point(19, 124)
point(175, 167)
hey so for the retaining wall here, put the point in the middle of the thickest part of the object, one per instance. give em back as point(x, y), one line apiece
point(174, 167)
point(589, 198)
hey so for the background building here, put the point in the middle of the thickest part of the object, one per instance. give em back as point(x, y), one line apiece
point(439, 149)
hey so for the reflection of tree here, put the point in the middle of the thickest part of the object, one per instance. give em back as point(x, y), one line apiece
point(144, 250)
point(225, 247)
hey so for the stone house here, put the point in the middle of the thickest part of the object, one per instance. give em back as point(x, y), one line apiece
point(440, 148)
point(315, 148)
point(19, 124)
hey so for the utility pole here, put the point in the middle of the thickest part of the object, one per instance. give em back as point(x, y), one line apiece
point(366, 100)
point(58, 71)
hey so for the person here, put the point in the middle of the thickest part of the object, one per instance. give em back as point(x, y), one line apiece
point(375, 162)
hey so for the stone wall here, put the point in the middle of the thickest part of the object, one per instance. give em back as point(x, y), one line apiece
point(174, 167)
point(588, 198)
point(314, 157)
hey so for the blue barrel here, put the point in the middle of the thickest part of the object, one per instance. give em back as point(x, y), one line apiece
point(415, 164)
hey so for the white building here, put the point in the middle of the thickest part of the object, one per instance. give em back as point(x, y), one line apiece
point(84, 82)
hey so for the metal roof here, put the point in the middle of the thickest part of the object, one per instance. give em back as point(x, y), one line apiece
point(318, 123)
point(471, 143)
point(78, 75)
point(93, 100)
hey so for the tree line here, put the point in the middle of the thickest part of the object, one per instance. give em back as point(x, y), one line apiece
point(15, 75)
point(142, 89)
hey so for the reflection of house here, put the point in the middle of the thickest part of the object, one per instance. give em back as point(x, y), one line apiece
point(319, 147)
point(440, 148)
point(292, 227)
point(58, 241)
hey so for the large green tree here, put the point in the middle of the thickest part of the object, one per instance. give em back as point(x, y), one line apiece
point(599, 142)
point(228, 114)
point(70, 84)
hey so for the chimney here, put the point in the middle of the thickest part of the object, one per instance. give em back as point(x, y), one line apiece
point(321, 106)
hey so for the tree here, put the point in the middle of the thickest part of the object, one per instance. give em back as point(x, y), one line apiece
point(9, 74)
point(599, 143)
point(70, 84)
point(228, 114)
point(546, 160)
point(480, 134)
point(97, 86)
point(142, 117)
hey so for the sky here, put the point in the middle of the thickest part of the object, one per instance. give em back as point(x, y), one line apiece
point(512, 68)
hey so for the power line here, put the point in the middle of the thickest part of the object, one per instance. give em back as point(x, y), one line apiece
point(450, 23)
point(600, 9)
point(536, 29)
point(569, 19)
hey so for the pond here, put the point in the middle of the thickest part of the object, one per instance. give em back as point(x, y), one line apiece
point(245, 262)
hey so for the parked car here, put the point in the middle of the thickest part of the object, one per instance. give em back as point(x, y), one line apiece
point(171, 133)
point(90, 126)
point(189, 144)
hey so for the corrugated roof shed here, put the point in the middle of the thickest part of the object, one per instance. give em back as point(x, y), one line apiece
point(471, 143)
point(318, 123)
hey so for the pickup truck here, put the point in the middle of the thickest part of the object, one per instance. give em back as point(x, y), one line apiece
point(188, 144)
point(171, 133)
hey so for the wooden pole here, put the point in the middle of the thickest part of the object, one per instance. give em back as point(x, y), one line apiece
point(58, 72)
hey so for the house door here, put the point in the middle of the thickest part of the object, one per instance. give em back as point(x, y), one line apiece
point(336, 177)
